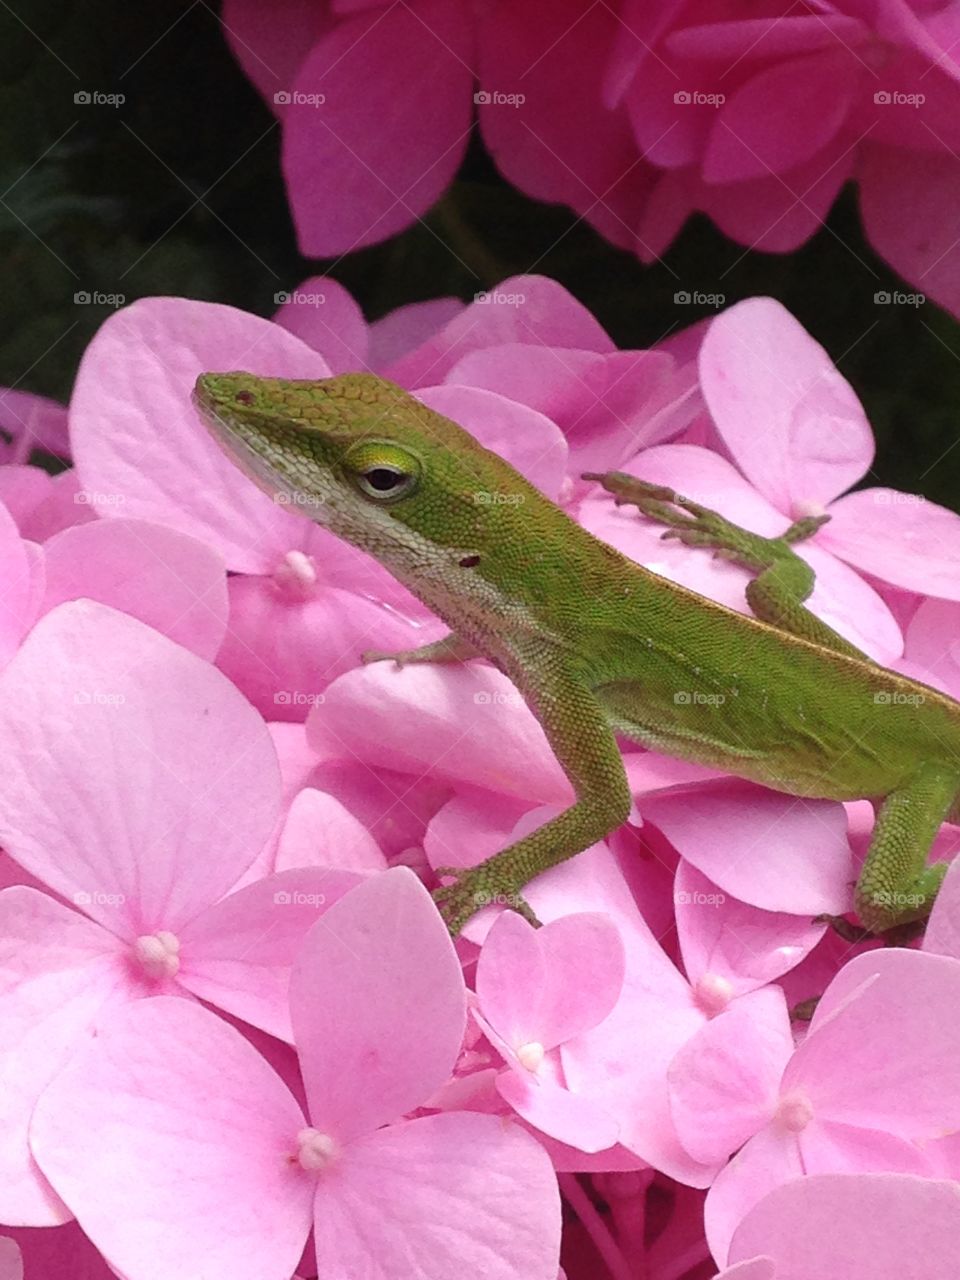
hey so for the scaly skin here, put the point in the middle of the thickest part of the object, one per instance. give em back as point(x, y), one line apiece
point(595, 643)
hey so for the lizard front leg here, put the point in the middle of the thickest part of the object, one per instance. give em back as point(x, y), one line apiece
point(583, 742)
point(784, 580)
point(449, 648)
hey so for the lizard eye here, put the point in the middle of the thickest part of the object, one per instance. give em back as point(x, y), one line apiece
point(382, 472)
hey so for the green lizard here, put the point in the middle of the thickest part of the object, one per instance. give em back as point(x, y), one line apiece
point(595, 643)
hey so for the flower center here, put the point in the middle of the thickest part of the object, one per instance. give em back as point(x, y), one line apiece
point(315, 1150)
point(531, 1055)
point(158, 954)
point(296, 575)
point(713, 993)
point(794, 1111)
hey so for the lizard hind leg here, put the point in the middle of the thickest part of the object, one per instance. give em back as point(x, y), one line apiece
point(896, 886)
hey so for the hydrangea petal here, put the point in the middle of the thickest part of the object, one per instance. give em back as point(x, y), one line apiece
point(139, 443)
point(173, 1142)
point(439, 1195)
point(378, 1006)
point(138, 782)
point(174, 583)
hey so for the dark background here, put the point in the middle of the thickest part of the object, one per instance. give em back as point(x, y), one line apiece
point(178, 191)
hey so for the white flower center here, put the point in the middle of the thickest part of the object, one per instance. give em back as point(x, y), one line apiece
point(531, 1055)
point(315, 1150)
point(158, 954)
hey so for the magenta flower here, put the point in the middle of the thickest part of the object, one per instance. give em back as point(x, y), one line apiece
point(170, 1117)
point(757, 117)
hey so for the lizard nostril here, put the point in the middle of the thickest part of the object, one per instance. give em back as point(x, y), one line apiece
point(244, 397)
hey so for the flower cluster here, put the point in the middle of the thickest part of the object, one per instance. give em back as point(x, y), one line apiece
point(635, 114)
point(235, 1038)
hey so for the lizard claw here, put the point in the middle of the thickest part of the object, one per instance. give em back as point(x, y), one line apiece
point(472, 890)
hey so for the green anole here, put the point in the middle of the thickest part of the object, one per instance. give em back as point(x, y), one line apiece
point(598, 645)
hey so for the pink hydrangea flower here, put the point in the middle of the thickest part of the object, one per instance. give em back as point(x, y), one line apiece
point(171, 1116)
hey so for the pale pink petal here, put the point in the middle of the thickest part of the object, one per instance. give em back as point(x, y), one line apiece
point(22, 490)
point(138, 782)
point(769, 850)
point(437, 1197)
point(281, 650)
point(322, 832)
point(755, 132)
point(568, 1117)
point(919, 238)
point(730, 948)
point(829, 1147)
point(894, 1012)
point(527, 309)
point(769, 1159)
point(878, 1217)
point(753, 1269)
point(378, 1006)
point(791, 421)
point(389, 129)
point(511, 975)
point(408, 327)
point(526, 439)
point(174, 583)
point(942, 935)
point(239, 953)
point(175, 1145)
point(724, 1081)
point(608, 405)
point(471, 827)
point(65, 505)
point(326, 316)
point(393, 806)
point(899, 538)
point(462, 724)
point(140, 446)
point(17, 594)
point(622, 1063)
point(932, 644)
point(60, 972)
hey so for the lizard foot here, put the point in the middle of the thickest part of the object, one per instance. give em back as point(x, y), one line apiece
point(474, 888)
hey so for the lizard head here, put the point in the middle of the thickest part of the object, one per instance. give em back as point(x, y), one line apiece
point(365, 459)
